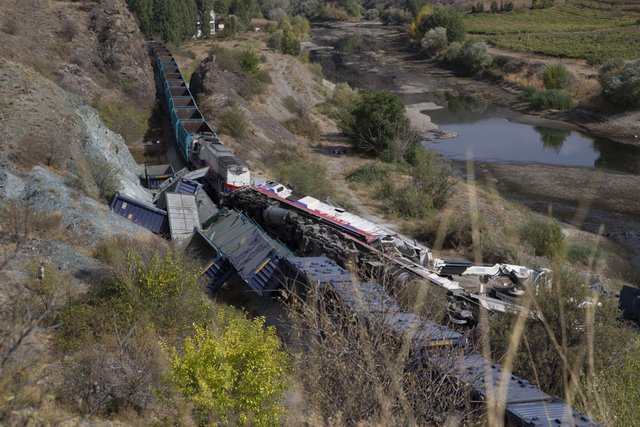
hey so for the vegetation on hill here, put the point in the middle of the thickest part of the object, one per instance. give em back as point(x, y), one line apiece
point(145, 338)
point(588, 29)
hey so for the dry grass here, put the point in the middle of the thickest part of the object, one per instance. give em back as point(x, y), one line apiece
point(353, 372)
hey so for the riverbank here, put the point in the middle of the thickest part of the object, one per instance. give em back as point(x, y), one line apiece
point(378, 57)
point(389, 47)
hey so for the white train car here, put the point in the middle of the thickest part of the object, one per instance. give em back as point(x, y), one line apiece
point(366, 230)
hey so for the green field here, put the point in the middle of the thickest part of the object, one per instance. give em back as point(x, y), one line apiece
point(575, 29)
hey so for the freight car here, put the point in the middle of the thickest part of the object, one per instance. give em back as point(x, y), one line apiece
point(198, 144)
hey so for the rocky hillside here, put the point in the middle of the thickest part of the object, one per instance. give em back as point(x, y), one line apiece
point(59, 165)
point(92, 48)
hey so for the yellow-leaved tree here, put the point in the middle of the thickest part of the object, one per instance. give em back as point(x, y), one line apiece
point(416, 27)
point(234, 371)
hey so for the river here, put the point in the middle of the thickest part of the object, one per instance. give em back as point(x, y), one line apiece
point(372, 56)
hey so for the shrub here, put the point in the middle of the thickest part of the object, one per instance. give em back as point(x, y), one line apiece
point(377, 119)
point(263, 76)
point(434, 41)
point(303, 126)
point(449, 18)
point(429, 178)
point(235, 122)
point(395, 16)
point(371, 14)
point(582, 254)
point(406, 201)
point(445, 231)
point(548, 99)
point(305, 177)
point(478, 7)
point(295, 105)
point(231, 26)
point(68, 31)
point(275, 40)
point(623, 89)
point(106, 178)
point(110, 335)
point(290, 44)
point(417, 26)
point(233, 371)
point(610, 68)
point(542, 4)
point(249, 61)
point(370, 172)
point(494, 7)
point(555, 76)
point(544, 237)
point(473, 57)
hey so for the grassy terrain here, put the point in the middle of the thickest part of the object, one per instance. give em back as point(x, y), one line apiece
point(575, 29)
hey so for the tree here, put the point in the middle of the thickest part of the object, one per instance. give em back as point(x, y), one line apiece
point(375, 121)
point(233, 371)
point(555, 76)
point(448, 18)
point(434, 41)
point(494, 7)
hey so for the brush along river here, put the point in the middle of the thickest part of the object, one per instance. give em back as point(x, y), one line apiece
point(544, 164)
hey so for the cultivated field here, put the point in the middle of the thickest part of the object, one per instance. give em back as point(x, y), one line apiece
point(589, 29)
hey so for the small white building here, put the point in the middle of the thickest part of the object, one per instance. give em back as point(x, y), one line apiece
point(212, 25)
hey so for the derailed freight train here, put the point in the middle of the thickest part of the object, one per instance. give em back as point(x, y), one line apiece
point(198, 144)
point(234, 244)
point(405, 259)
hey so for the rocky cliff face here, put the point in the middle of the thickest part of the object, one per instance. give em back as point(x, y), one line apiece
point(89, 48)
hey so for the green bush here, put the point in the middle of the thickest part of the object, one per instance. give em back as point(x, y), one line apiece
point(263, 76)
point(582, 254)
point(275, 40)
point(371, 14)
point(623, 89)
point(303, 126)
point(548, 99)
point(248, 60)
point(449, 18)
point(434, 41)
point(395, 16)
point(370, 172)
point(290, 44)
point(448, 231)
point(406, 201)
point(470, 56)
point(555, 76)
point(234, 122)
point(544, 237)
point(305, 177)
point(610, 68)
point(429, 178)
point(105, 175)
point(233, 372)
point(378, 117)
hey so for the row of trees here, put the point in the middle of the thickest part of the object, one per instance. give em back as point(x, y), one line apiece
point(172, 21)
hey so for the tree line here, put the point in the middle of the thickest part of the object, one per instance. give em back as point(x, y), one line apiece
point(172, 21)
